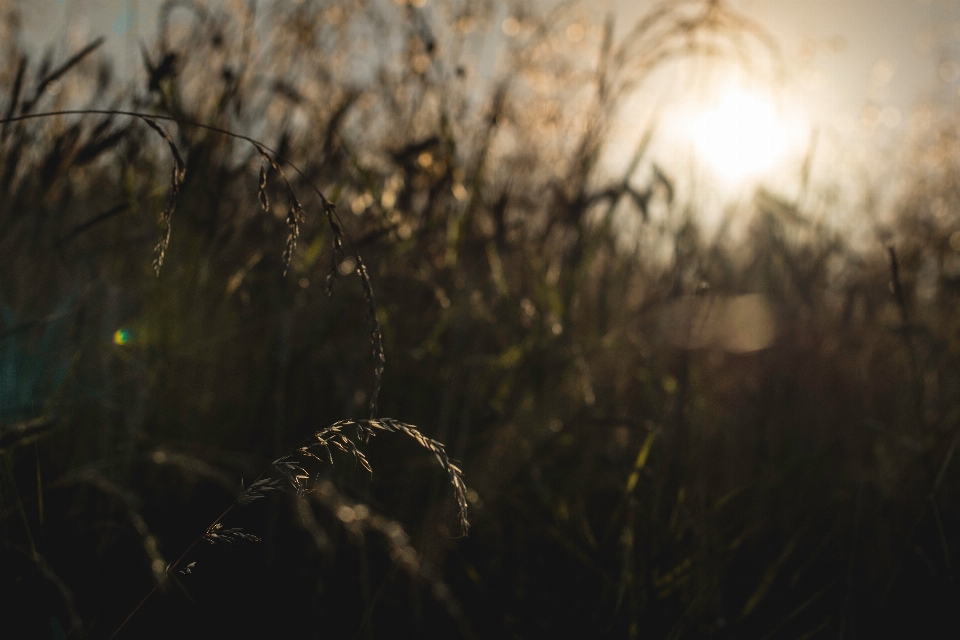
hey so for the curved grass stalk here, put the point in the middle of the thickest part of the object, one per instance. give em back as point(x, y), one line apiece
point(295, 213)
point(289, 472)
point(289, 467)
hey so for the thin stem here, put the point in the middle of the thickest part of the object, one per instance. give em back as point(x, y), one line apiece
point(181, 121)
point(169, 570)
point(173, 566)
point(329, 210)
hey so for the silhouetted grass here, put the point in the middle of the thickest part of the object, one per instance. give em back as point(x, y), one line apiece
point(662, 432)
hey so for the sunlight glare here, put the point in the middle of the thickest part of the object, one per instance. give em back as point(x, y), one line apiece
point(742, 135)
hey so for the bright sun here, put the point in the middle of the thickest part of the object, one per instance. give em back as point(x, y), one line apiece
point(742, 135)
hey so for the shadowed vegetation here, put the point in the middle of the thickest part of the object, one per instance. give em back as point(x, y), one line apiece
point(361, 209)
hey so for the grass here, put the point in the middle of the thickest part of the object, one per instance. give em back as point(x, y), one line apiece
point(630, 470)
point(290, 471)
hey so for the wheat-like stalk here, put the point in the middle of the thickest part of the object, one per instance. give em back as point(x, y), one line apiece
point(177, 175)
point(290, 472)
point(270, 159)
point(290, 467)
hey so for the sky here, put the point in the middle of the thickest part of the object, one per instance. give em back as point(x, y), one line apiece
point(837, 43)
point(857, 69)
point(854, 54)
point(859, 74)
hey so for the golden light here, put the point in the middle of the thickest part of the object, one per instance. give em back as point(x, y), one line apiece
point(742, 135)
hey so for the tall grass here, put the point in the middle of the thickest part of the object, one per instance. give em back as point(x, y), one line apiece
point(671, 434)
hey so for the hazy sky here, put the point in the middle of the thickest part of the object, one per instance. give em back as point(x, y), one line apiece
point(857, 68)
point(838, 43)
point(858, 71)
point(857, 52)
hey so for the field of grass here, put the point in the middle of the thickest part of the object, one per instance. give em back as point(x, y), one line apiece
point(321, 212)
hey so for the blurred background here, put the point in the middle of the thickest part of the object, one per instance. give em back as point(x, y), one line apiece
point(675, 283)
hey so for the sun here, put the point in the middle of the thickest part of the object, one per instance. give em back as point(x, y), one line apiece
point(742, 135)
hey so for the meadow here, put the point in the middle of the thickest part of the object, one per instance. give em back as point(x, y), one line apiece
point(307, 224)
